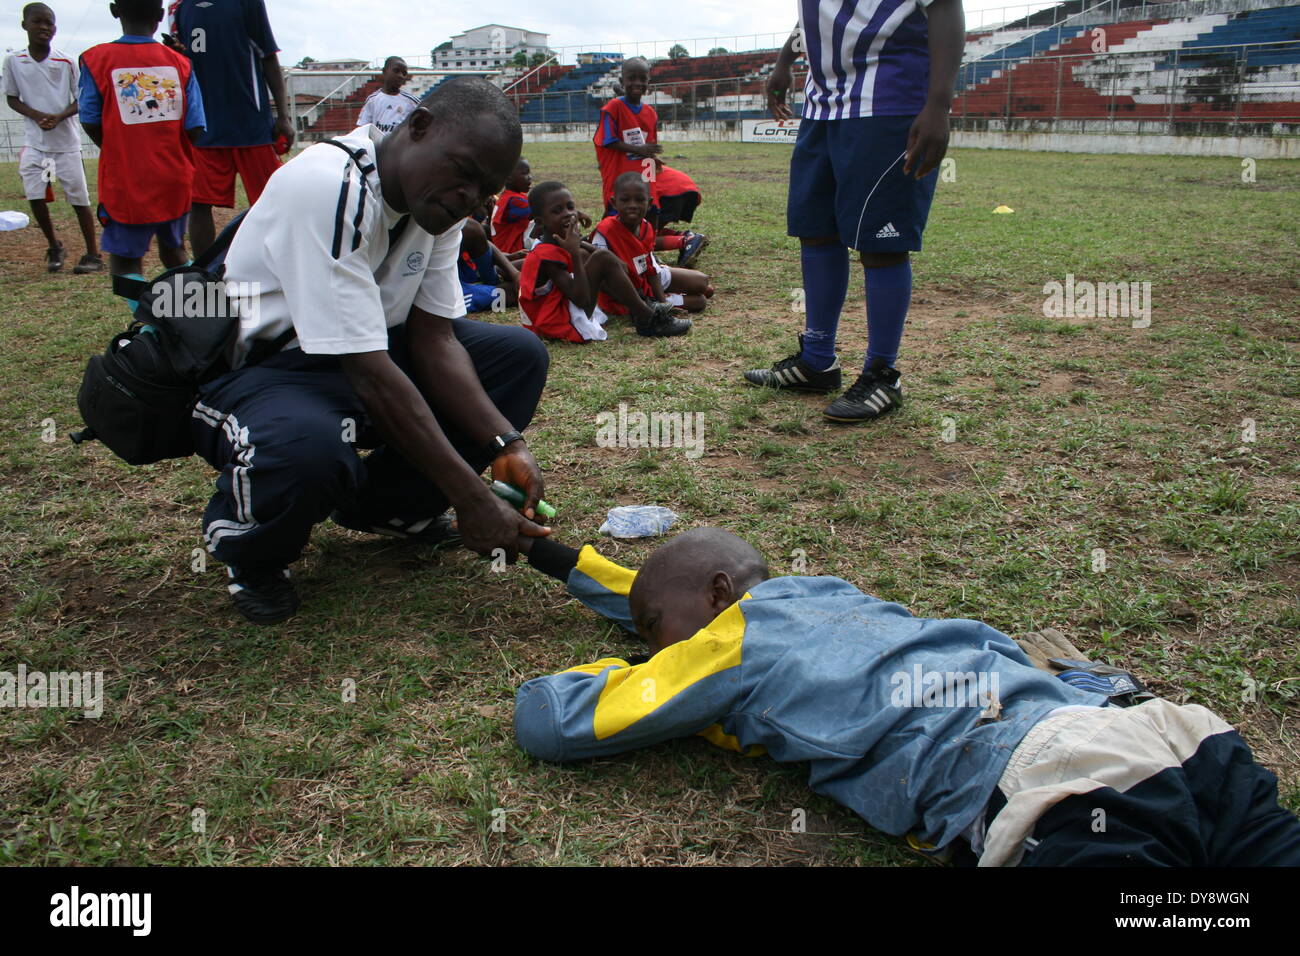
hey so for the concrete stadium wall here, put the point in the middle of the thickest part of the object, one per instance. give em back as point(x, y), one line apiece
point(1156, 144)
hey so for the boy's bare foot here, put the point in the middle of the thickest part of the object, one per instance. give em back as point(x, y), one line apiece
point(88, 264)
point(54, 258)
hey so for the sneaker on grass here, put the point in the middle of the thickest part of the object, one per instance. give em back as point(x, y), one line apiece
point(262, 596)
point(875, 393)
point(797, 375)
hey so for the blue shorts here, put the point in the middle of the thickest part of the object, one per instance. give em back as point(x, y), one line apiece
point(846, 180)
point(479, 297)
point(131, 240)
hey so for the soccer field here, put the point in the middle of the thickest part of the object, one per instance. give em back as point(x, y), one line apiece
point(1138, 488)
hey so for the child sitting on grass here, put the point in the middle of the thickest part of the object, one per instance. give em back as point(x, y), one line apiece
point(488, 279)
point(631, 237)
point(512, 217)
point(943, 729)
point(562, 277)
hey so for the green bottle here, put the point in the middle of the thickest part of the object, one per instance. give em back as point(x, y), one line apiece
point(516, 497)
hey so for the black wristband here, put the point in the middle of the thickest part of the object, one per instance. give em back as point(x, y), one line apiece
point(498, 443)
point(551, 557)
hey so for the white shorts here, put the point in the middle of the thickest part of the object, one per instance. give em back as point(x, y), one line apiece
point(39, 169)
point(591, 328)
point(665, 278)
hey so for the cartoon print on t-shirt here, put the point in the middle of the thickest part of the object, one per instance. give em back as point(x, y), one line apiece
point(148, 95)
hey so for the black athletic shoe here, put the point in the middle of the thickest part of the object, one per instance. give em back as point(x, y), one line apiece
point(263, 597)
point(662, 323)
point(875, 393)
point(797, 375)
point(88, 264)
point(54, 258)
point(435, 531)
point(690, 252)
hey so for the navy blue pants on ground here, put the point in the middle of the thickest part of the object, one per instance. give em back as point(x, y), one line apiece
point(284, 436)
point(1218, 809)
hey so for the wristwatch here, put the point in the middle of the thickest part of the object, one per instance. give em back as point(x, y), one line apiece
point(498, 443)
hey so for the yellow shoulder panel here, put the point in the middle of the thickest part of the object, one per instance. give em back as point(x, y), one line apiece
point(605, 572)
point(636, 692)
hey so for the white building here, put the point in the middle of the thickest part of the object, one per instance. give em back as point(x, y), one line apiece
point(488, 47)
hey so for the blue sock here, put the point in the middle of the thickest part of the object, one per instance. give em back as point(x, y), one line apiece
point(825, 284)
point(889, 293)
point(131, 304)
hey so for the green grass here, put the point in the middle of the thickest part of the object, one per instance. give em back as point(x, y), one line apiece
point(1070, 435)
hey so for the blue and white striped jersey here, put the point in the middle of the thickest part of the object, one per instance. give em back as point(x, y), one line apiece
point(865, 57)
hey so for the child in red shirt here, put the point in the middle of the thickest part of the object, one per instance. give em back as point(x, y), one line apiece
point(140, 104)
point(630, 236)
point(560, 280)
point(512, 215)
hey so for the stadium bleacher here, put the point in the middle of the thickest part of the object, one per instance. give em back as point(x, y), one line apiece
point(1201, 66)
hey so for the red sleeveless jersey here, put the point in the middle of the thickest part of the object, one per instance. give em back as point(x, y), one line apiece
point(546, 313)
point(635, 251)
point(635, 129)
point(507, 234)
point(146, 163)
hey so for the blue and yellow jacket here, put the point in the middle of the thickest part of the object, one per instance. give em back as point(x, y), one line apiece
point(809, 669)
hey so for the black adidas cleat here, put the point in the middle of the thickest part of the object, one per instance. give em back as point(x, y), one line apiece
point(436, 531)
point(795, 374)
point(263, 597)
point(875, 393)
point(662, 323)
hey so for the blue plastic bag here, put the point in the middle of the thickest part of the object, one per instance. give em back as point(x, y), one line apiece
point(637, 521)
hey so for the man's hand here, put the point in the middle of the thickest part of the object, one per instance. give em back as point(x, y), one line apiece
point(283, 128)
point(487, 523)
point(173, 43)
point(777, 86)
point(647, 150)
point(47, 121)
point(927, 141)
point(516, 466)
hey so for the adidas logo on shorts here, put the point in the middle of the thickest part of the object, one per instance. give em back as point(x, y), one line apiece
point(888, 232)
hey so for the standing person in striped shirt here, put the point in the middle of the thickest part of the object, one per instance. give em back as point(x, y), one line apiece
point(862, 176)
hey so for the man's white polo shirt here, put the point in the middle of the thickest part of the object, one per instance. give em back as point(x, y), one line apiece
point(315, 253)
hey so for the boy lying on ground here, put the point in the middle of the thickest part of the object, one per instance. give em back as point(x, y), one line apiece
point(940, 729)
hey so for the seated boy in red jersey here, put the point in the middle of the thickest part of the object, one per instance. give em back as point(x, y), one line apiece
point(630, 236)
point(562, 277)
point(512, 216)
point(140, 104)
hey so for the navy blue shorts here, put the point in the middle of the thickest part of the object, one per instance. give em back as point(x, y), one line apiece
point(479, 296)
point(131, 240)
point(846, 180)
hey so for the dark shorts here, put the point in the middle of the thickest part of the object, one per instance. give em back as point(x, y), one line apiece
point(131, 240)
point(215, 168)
point(846, 180)
point(679, 208)
point(479, 296)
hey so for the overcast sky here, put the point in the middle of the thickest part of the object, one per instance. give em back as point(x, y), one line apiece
point(366, 29)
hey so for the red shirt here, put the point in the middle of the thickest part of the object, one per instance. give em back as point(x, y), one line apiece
point(146, 163)
point(546, 311)
point(509, 220)
point(618, 123)
point(637, 253)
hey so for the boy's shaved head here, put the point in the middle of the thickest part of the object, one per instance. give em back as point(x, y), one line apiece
point(631, 179)
point(636, 63)
point(538, 195)
point(689, 581)
point(34, 8)
point(393, 59)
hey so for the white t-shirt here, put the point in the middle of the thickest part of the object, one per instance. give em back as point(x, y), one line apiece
point(315, 248)
point(48, 85)
point(387, 110)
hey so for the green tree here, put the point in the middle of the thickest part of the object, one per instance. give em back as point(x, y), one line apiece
point(538, 58)
point(678, 51)
point(719, 51)
point(306, 61)
point(520, 59)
